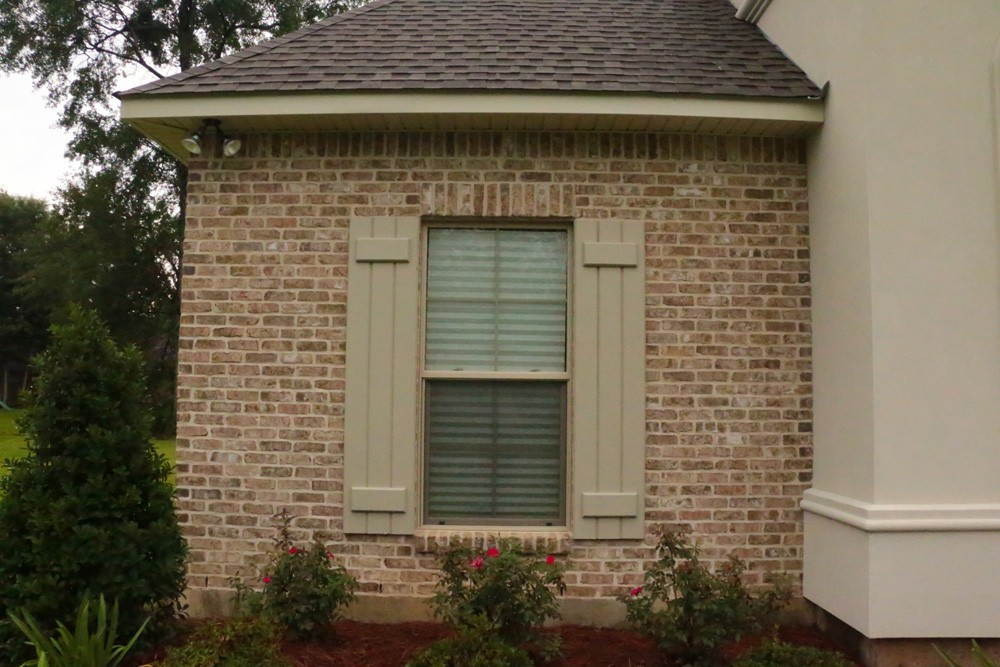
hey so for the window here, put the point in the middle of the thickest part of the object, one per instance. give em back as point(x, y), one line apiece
point(495, 376)
point(482, 403)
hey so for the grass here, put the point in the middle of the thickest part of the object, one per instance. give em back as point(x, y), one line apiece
point(12, 444)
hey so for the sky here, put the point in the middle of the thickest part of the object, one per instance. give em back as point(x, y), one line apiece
point(31, 144)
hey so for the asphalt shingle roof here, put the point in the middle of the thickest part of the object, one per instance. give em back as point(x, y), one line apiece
point(692, 47)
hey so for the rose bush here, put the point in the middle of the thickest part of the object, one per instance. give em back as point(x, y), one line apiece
point(497, 602)
point(692, 612)
point(303, 590)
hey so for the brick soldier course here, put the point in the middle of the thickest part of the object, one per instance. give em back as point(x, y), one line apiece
point(262, 351)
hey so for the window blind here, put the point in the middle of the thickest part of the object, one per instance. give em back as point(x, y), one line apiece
point(496, 300)
point(495, 450)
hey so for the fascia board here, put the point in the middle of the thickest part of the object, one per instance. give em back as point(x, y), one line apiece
point(235, 106)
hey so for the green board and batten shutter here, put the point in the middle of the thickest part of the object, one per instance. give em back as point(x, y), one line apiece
point(380, 404)
point(609, 324)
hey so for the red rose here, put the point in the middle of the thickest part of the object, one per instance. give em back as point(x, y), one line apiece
point(477, 563)
point(635, 591)
point(266, 580)
point(551, 559)
point(293, 551)
point(493, 552)
point(329, 555)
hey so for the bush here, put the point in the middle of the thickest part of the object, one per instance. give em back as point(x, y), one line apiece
point(497, 601)
point(778, 654)
point(472, 648)
point(692, 612)
point(89, 509)
point(303, 590)
point(241, 641)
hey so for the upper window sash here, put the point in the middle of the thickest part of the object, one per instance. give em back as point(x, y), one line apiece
point(496, 300)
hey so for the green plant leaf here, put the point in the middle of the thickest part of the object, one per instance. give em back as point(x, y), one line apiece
point(81, 647)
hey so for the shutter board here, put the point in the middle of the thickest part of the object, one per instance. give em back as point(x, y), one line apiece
point(608, 380)
point(380, 448)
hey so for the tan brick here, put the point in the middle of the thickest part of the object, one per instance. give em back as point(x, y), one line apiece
point(260, 398)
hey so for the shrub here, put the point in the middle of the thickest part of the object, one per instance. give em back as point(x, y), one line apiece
point(497, 601)
point(692, 612)
point(303, 590)
point(83, 647)
point(241, 641)
point(89, 509)
point(778, 654)
point(472, 648)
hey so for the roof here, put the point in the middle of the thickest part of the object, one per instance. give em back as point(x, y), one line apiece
point(660, 47)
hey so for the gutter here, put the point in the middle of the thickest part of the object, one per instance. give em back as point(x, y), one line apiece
point(751, 11)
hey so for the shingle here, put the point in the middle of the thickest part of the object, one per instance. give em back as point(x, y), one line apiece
point(694, 47)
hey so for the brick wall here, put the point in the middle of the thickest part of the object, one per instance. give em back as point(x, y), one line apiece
point(261, 383)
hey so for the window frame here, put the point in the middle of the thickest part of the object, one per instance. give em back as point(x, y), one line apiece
point(564, 378)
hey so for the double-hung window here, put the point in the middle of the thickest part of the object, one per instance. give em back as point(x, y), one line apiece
point(495, 375)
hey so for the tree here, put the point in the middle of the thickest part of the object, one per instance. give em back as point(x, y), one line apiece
point(89, 510)
point(112, 246)
point(77, 50)
point(22, 318)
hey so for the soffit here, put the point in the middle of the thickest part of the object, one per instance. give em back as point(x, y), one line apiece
point(167, 120)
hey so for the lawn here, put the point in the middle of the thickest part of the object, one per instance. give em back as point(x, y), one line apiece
point(12, 444)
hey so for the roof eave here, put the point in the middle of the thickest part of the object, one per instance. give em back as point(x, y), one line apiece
point(166, 119)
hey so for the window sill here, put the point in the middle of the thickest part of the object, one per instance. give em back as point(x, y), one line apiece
point(545, 540)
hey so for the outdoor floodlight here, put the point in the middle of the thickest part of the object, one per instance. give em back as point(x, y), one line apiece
point(231, 147)
point(193, 142)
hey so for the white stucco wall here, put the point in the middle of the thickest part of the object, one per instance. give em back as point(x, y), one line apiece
point(906, 282)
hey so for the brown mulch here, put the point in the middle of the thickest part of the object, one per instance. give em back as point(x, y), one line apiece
point(375, 645)
point(354, 644)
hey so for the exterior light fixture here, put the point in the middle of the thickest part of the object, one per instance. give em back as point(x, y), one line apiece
point(231, 147)
point(194, 142)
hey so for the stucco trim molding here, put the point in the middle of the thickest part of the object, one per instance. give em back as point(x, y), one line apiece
point(886, 518)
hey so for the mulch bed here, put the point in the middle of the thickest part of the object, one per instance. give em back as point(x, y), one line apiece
point(381, 645)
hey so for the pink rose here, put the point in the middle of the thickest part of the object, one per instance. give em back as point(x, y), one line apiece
point(293, 551)
point(266, 580)
point(551, 559)
point(493, 552)
point(329, 555)
point(477, 563)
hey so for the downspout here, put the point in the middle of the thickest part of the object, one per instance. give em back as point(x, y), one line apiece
point(751, 10)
